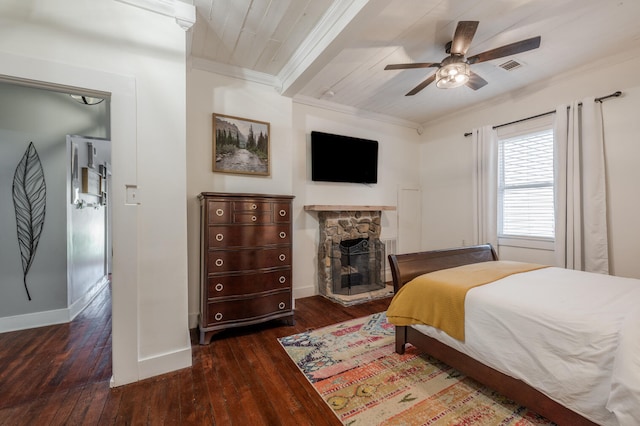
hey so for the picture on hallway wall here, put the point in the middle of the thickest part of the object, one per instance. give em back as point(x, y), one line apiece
point(240, 146)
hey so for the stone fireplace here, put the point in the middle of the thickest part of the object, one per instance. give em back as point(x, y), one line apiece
point(351, 257)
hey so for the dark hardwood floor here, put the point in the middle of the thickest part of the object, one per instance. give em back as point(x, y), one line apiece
point(59, 375)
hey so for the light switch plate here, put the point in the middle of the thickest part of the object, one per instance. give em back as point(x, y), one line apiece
point(133, 195)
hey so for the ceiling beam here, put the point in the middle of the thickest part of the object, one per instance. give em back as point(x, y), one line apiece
point(320, 45)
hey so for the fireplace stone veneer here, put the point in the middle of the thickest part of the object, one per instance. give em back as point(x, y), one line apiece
point(343, 223)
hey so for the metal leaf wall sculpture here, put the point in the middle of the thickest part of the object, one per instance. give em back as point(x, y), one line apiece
point(29, 200)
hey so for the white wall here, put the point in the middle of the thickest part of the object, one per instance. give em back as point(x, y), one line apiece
point(446, 158)
point(291, 124)
point(209, 93)
point(139, 58)
point(397, 168)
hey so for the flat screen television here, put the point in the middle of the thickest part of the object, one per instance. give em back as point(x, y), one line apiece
point(336, 158)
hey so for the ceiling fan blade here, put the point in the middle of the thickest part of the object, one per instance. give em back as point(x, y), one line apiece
point(422, 85)
point(410, 66)
point(506, 50)
point(475, 81)
point(463, 36)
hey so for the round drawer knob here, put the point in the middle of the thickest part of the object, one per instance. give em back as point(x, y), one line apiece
point(283, 235)
point(281, 305)
point(253, 218)
point(283, 213)
point(282, 257)
point(219, 212)
point(219, 237)
point(282, 279)
point(253, 207)
point(219, 262)
point(219, 287)
point(218, 316)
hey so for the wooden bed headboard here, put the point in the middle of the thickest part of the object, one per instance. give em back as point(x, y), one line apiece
point(405, 267)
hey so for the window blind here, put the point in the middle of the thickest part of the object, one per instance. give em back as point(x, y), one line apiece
point(525, 185)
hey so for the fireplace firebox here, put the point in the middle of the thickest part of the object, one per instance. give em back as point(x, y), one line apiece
point(357, 266)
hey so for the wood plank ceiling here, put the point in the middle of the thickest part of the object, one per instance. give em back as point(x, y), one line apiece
point(334, 52)
point(254, 34)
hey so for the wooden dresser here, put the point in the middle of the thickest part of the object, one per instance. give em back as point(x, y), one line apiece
point(245, 260)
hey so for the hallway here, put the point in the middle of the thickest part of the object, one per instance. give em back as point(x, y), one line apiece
point(60, 372)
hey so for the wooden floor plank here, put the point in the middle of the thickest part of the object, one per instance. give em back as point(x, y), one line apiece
point(195, 402)
point(59, 375)
point(99, 395)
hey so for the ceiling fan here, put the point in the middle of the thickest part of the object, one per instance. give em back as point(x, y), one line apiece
point(454, 70)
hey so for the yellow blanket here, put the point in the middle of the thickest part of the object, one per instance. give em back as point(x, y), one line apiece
point(437, 298)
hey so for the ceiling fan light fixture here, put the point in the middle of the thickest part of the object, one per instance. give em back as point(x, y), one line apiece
point(452, 75)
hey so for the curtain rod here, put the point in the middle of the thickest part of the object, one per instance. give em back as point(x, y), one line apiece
point(600, 99)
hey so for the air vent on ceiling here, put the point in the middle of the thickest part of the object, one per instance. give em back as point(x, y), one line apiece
point(510, 65)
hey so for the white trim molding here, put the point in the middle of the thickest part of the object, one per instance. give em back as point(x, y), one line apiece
point(164, 363)
point(233, 71)
point(33, 320)
point(52, 317)
point(183, 13)
point(79, 305)
point(306, 291)
point(344, 109)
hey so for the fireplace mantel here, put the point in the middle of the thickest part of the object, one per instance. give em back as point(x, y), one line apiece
point(345, 208)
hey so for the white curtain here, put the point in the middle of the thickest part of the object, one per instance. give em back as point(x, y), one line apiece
point(580, 197)
point(485, 185)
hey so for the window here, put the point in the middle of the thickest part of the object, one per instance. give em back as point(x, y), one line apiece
point(525, 184)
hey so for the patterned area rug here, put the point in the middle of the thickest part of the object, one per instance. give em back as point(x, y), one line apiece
point(355, 369)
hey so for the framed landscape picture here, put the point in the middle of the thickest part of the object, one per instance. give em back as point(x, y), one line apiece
point(240, 146)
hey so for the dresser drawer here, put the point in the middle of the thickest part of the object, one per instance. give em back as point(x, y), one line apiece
point(248, 236)
point(252, 217)
point(282, 212)
point(233, 285)
point(248, 259)
point(248, 309)
point(219, 211)
point(252, 205)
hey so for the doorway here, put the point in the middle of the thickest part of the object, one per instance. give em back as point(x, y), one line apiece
point(88, 219)
point(34, 122)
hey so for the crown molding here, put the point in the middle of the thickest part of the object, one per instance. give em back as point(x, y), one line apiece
point(360, 113)
point(234, 71)
point(183, 13)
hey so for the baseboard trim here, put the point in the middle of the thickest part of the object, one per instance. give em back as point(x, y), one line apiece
point(33, 320)
point(193, 320)
point(301, 292)
point(164, 363)
point(79, 305)
point(52, 317)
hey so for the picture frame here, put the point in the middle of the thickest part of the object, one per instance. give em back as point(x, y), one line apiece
point(241, 145)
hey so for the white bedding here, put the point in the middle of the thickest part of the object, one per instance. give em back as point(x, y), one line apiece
point(574, 336)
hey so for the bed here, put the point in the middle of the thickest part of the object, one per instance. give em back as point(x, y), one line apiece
point(564, 343)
